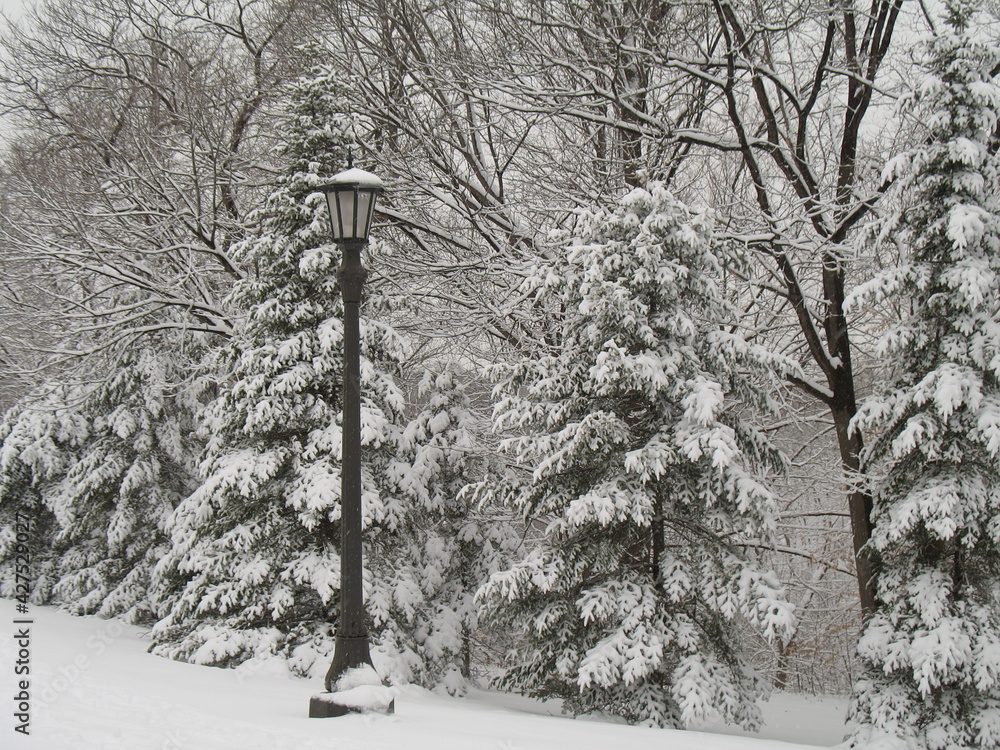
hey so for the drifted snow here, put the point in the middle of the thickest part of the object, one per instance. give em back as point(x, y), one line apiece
point(362, 689)
point(94, 687)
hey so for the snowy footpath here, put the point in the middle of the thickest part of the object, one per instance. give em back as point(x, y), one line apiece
point(92, 686)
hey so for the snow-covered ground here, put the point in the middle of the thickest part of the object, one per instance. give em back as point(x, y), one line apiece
point(94, 687)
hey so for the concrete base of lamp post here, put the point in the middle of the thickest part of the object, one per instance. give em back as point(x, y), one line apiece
point(357, 690)
point(327, 706)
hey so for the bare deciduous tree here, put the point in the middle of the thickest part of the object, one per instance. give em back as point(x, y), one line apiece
point(140, 145)
point(782, 101)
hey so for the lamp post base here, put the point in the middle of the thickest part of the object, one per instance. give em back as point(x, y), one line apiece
point(327, 706)
point(358, 689)
point(350, 652)
point(322, 707)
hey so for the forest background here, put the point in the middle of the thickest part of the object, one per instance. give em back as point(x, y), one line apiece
point(169, 363)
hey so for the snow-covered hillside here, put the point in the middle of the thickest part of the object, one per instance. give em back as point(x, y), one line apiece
point(94, 687)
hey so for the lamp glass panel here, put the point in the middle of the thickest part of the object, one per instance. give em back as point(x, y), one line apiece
point(336, 222)
point(346, 215)
point(366, 203)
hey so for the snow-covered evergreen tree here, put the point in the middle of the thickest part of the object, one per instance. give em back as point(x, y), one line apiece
point(646, 474)
point(254, 567)
point(126, 477)
point(932, 649)
point(99, 469)
point(30, 458)
point(447, 547)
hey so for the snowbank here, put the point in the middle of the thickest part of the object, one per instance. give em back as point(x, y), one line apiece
point(94, 687)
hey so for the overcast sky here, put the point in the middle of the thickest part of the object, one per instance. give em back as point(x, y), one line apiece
point(12, 8)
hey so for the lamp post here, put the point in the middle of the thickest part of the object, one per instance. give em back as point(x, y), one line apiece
point(351, 199)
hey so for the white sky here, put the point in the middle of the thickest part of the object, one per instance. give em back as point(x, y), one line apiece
point(12, 8)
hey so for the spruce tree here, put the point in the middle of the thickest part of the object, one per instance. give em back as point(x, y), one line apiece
point(447, 546)
point(931, 651)
point(99, 469)
point(645, 475)
point(124, 480)
point(254, 566)
point(30, 458)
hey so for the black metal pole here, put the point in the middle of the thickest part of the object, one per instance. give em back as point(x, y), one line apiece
point(352, 633)
point(352, 647)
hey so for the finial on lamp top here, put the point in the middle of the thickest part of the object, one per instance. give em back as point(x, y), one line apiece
point(350, 158)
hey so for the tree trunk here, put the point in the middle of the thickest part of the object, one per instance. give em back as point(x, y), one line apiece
point(859, 504)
